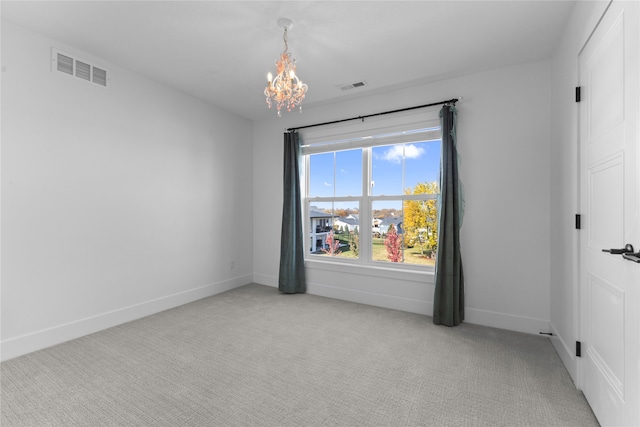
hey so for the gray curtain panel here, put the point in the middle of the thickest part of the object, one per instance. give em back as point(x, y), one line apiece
point(292, 278)
point(448, 299)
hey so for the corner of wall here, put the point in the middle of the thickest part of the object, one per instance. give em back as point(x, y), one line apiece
point(565, 353)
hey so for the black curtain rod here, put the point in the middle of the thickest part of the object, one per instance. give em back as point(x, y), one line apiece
point(449, 101)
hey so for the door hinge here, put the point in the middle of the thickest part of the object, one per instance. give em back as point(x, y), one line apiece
point(578, 222)
point(578, 93)
point(578, 349)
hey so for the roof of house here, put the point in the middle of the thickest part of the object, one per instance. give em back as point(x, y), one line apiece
point(347, 220)
point(387, 221)
point(316, 213)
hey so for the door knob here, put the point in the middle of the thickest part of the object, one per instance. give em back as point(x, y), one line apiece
point(628, 249)
point(632, 257)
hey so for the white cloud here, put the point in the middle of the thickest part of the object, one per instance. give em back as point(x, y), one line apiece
point(394, 154)
point(412, 152)
point(326, 184)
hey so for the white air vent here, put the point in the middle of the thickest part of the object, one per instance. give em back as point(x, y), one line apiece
point(66, 63)
point(350, 86)
point(99, 76)
point(83, 70)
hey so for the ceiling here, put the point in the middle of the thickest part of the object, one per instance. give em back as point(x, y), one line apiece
point(221, 51)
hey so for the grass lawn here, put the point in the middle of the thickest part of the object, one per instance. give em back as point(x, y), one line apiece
point(412, 255)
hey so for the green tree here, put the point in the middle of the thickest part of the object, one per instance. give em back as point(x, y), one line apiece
point(421, 219)
point(354, 244)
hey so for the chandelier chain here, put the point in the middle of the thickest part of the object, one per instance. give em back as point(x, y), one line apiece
point(284, 37)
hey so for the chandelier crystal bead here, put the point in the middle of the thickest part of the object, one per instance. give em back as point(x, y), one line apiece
point(286, 90)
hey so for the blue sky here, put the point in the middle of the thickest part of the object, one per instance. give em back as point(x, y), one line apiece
point(421, 164)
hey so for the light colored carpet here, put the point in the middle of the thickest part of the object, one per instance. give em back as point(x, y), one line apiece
point(254, 357)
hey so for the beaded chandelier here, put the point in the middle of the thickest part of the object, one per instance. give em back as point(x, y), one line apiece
point(286, 90)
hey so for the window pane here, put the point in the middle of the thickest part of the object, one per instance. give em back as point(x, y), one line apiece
point(421, 164)
point(346, 229)
point(420, 231)
point(386, 170)
point(349, 173)
point(321, 167)
point(334, 229)
point(320, 225)
point(387, 231)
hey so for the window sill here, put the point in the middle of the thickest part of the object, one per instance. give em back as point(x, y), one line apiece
point(423, 276)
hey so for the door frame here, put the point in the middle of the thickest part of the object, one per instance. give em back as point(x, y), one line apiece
point(578, 236)
point(578, 200)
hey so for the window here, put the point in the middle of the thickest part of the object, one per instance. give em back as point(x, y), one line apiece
point(370, 195)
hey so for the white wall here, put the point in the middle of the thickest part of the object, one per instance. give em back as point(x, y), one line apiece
point(564, 180)
point(504, 142)
point(117, 202)
point(123, 201)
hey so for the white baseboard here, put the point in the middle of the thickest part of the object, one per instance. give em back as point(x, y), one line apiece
point(511, 322)
point(379, 300)
point(17, 346)
point(361, 297)
point(263, 279)
point(566, 354)
point(411, 305)
point(472, 315)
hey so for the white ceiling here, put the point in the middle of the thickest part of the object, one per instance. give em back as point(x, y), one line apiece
point(221, 51)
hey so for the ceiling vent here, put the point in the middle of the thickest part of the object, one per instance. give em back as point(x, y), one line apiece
point(345, 87)
point(80, 68)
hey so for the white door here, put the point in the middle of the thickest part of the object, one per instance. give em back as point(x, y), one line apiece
point(610, 207)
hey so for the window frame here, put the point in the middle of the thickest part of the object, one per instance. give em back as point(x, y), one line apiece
point(357, 136)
